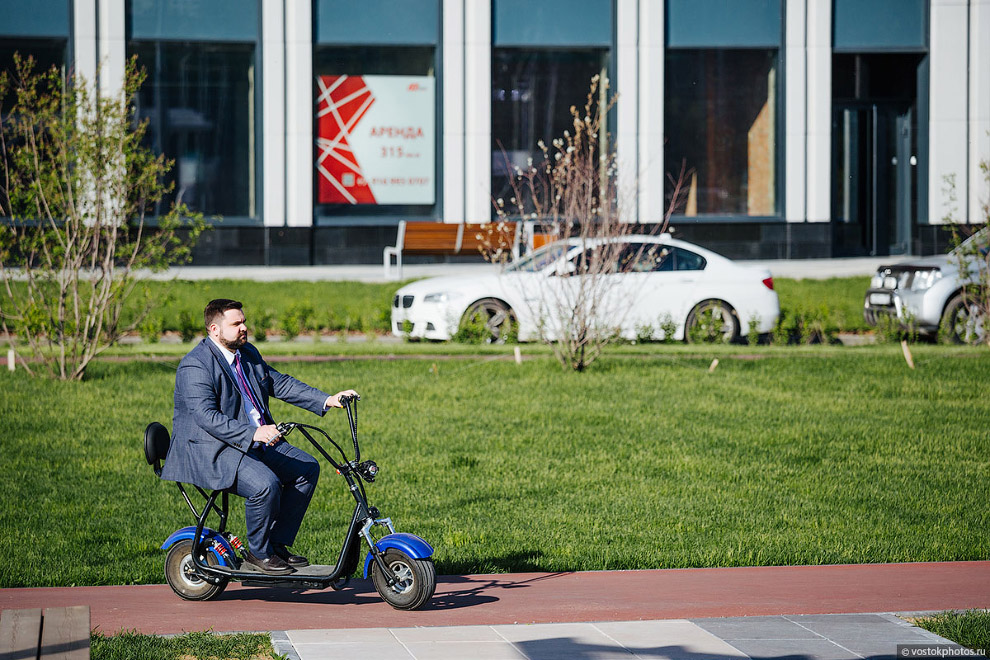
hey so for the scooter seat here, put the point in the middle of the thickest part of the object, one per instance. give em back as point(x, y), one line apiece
point(156, 444)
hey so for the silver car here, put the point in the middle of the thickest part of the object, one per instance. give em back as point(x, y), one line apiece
point(927, 294)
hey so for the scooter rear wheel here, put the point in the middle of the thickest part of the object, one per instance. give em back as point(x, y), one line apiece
point(417, 580)
point(180, 572)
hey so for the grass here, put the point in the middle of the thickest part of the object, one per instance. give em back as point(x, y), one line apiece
point(842, 297)
point(365, 307)
point(803, 456)
point(131, 645)
point(970, 628)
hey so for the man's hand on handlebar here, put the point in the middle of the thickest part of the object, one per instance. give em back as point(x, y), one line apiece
point(267, 434)
point(334, 401)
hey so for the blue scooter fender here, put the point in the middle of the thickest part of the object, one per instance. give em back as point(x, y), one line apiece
point(410, 544)
point(209, 536)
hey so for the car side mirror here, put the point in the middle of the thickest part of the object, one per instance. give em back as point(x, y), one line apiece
point(565, 269)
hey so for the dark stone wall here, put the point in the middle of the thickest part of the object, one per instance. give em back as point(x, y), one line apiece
point(760, 240)
point(305, 246)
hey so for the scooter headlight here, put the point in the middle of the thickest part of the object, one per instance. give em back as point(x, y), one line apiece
point(368, 470)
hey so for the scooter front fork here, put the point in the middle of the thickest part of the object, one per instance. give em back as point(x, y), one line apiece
point(375, 552)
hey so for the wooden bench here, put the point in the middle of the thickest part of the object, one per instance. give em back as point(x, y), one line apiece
point(442, 238)
point(60, 633)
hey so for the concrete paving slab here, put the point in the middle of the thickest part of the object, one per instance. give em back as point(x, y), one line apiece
point(447, 634)
point(858, 627)
point(676, 638)
point(827, 637)
point(793, 649)
point(762, 627)
point(463, 650)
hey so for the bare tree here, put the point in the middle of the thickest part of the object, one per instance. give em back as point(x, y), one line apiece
point(76, 184)
point(572, 195)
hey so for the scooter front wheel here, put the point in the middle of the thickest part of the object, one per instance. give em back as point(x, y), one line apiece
point(180, 572)
point(416, 580)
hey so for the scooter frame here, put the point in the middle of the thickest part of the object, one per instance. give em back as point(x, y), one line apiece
point(364, 519)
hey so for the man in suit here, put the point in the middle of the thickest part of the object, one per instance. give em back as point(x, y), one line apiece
point(223, 436)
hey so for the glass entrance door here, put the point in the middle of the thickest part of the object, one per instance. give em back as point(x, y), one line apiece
point(874, 165)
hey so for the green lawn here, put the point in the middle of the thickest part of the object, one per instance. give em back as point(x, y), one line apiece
point(365, 307)
point(804, 456)
point(970, 628)
point(204, 645)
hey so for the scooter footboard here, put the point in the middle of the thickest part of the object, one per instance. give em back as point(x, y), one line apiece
point(210, 538)
point(410, 544)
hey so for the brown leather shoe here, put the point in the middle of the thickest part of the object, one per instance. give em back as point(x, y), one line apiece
point(283, 553)
point(273, 565)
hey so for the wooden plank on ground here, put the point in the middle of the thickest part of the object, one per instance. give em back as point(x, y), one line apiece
point(65, 633)
point(20, 631)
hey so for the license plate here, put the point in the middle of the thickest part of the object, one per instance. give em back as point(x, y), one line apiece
point(879, 298)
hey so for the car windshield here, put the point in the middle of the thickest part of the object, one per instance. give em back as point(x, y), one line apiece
point(539, 259)
point(979, 240)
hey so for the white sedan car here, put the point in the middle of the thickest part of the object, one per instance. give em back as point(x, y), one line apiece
point(656, 285)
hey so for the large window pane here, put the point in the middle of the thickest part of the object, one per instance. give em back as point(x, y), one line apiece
point(46, 53)
point(532, 93)
point(721, 119)
point(199, 99)
point(377, 132)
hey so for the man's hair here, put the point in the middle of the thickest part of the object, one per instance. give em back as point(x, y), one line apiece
point(215, 309)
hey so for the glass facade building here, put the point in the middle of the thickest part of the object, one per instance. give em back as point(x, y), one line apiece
point(313, 128)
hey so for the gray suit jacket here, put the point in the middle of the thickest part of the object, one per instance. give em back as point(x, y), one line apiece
point(211, 430)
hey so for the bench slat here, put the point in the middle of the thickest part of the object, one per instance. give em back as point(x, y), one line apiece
point(495, 237)
point(19, 634)
point(65, 634)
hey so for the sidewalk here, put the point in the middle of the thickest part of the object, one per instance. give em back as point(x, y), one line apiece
point(791, 268)
point(797, 637)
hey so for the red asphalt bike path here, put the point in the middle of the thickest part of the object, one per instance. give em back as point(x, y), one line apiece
point(539, 598)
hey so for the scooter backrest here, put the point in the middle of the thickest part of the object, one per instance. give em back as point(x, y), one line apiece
point(156, 442)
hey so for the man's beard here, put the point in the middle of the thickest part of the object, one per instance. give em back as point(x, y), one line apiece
point(234, 344)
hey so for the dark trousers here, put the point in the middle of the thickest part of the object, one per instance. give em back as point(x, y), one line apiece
point(278, 483)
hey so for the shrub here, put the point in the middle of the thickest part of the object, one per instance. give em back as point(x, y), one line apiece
point(261, 322)
point(668, 328)
point(753, 330)
point(151, 329)
point(187, 327)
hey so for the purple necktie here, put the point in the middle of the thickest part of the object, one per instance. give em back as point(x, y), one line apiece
point(243, 384)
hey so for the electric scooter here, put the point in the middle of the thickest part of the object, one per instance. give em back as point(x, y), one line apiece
point(201, 561)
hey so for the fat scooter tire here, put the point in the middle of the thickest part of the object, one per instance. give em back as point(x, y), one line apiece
point(417, 580)
point(180, 574)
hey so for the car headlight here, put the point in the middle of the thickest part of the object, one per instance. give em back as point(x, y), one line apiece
point(925, 279)
point(440, 297)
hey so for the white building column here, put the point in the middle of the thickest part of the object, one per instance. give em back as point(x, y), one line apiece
point(453, 95)
point(299, 112)
point(627, 107)
point(818, 186)
point(273, 128)
point(112, 47)
point(651, 170)
point(979, 106)
point(795, 108)
point(948, 122)
point(477, 112)
point(85, 57)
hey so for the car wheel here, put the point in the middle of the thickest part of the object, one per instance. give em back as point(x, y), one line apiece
point(489, 321)
point(963, 321)
point(712, 322)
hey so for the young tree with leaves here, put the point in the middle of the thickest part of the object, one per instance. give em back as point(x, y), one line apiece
point(75, 187)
